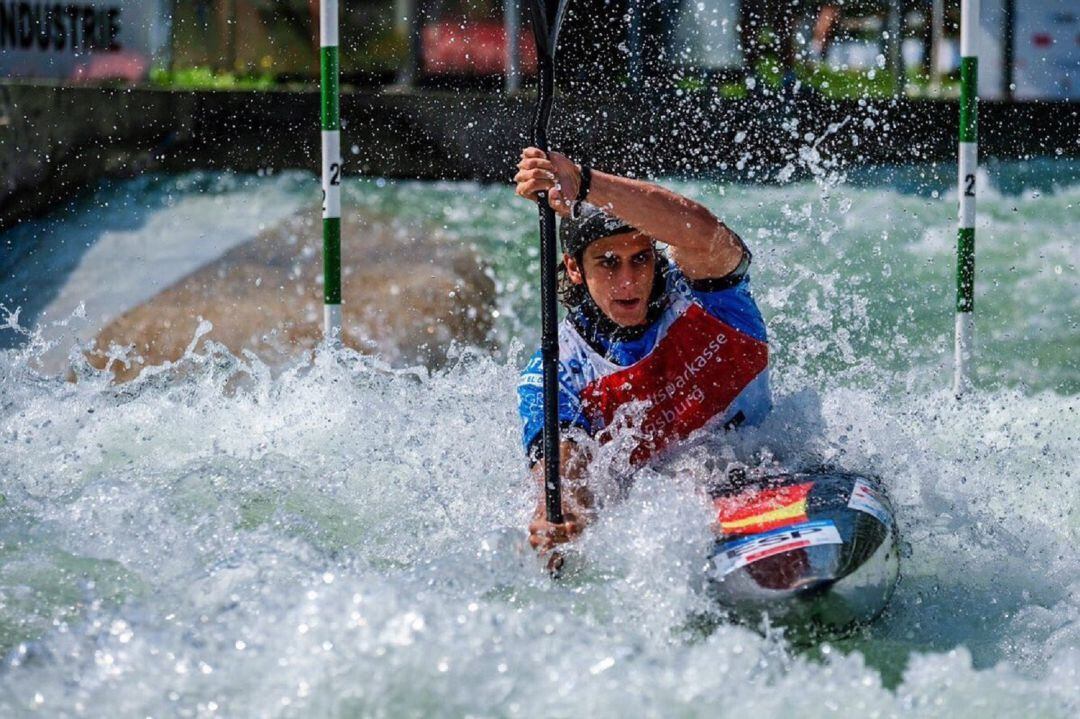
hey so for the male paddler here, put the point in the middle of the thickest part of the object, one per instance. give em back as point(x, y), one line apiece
point(671, 338)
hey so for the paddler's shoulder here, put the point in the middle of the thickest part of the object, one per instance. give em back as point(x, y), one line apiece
point(678, 282)
point(727, 298)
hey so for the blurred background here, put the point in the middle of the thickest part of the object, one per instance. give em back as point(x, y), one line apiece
point(1029, 49)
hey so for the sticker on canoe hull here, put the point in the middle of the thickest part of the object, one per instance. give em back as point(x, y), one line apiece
point(761, 511)
point(869, 500)
point(737, 554)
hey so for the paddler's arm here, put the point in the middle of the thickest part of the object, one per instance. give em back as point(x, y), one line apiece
point(701, 245)
point(577, 500)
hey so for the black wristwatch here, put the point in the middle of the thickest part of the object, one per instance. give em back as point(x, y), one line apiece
point(586, 180)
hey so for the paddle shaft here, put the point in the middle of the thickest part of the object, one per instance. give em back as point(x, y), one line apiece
point(549, 309)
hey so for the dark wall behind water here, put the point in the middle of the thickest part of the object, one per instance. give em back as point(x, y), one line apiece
point(56, 141)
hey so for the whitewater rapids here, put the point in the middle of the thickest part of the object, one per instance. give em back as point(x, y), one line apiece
point(345, 538)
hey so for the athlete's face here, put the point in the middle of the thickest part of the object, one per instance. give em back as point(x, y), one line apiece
point(619, 272)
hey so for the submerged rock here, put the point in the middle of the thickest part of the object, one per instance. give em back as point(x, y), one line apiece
point(407, 294)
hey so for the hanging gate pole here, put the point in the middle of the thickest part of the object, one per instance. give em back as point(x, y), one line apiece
point(331, 169)
point(968, 161)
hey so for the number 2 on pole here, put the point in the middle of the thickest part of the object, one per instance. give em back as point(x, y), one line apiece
point(335, 179)
point(969, 185)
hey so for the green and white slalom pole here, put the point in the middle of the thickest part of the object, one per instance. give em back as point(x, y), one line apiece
point(331, 170)
point(968, 161)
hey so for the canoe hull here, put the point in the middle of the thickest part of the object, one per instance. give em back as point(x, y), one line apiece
point(809, 548)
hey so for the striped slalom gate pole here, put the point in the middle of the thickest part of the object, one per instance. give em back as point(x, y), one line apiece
point(331, 170)
point(968, 162)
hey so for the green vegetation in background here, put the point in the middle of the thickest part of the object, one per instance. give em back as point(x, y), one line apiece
point(830, 83)
point(204, 78)
point(850, 84)
point(853, 84)
point(279, 39)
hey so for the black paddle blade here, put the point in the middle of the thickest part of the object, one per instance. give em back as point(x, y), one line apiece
point(547, 17)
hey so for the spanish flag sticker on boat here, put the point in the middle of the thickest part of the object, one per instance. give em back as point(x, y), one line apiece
point(762, 511)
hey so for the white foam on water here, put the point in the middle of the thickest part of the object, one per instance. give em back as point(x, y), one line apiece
point(346, 539)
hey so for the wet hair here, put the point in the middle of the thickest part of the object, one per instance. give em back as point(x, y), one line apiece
point(571, 295)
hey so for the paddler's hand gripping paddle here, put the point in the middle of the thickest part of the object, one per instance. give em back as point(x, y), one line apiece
point(547, 16)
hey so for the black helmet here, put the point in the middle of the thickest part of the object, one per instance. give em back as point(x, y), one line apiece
point(587, 224)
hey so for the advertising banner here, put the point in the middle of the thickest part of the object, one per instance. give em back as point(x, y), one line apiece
point(1046, 60)
point(1048, 50)
point(81, 41)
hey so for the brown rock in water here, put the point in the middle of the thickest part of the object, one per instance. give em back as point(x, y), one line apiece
point(406, 294)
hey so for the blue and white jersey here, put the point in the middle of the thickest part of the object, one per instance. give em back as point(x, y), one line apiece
point(704, 359)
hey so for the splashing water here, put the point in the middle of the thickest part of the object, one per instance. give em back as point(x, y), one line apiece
point(345, 539)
